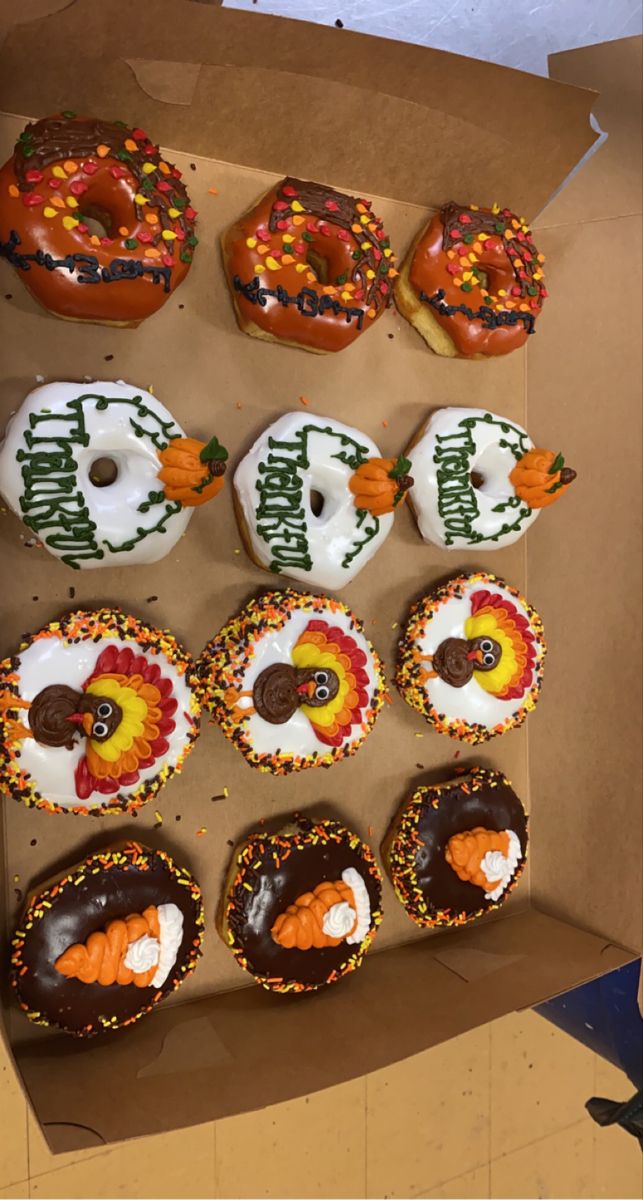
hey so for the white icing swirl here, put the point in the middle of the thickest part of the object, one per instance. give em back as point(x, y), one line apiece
point(354, 880)
point(143, 954)
point(499, 868)
point(171, 928)
point(339, 919)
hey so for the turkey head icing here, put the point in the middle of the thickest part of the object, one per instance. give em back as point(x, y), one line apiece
point(281, 688)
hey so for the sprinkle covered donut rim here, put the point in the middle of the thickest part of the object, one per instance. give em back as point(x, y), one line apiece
point(279, 847)
point(406, 842)
point(226, 658)
point(98, 625)
point(408, 671)
point(131, 856)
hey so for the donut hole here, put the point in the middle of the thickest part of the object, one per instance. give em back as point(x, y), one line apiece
point(318, 265)
point(483, 279)
point(103, 472)
point(317, 502)
point(476, 479)
point(98, 220)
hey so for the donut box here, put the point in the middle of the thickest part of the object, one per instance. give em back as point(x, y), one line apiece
point(215, 1046)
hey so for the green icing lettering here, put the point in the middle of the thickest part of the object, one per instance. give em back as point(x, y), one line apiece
point(457, 501)
point(280, 515)
point(52, 504)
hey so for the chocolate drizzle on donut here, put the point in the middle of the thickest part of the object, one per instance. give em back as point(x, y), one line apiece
point(57, 138)
point(338, 209)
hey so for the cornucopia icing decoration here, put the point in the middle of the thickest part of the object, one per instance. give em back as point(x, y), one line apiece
point(141, 949)
point(331, 913)
point(485, 857)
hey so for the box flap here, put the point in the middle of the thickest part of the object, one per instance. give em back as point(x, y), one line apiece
point(248, 1036)
point(369, 114)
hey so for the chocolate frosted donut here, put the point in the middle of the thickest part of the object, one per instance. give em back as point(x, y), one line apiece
point(98, 946)
point(455, 850)
point(300, 907)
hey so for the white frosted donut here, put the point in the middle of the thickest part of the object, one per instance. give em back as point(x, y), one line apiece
point(296, 509)
point(471, 658)
point(462, 493)
point(293, 681)
point(97, 711)
point(53, 460)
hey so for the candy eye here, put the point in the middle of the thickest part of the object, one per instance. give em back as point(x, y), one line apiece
point(322, 692)
point(99, 729)
point(486, 645)
point(489, 660)
point(321, 676)
point(104, 710)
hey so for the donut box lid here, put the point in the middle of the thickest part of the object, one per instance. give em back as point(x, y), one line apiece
point(222, 1045)
point(373, 115)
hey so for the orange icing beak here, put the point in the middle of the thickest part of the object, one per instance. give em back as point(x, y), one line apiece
point(88, 723)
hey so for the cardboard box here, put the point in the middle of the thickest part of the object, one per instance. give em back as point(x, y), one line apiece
point(410, 127)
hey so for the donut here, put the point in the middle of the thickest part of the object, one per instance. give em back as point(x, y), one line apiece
point(103, 474)
point(456, 850)
point(97, 712)
point(293, 681)
point(97, 224)
point(479, 481)
point(100, 945)
point(472, 285)
point(314, 499)
point(306, 251)
point(471, 657)
point(301, 907)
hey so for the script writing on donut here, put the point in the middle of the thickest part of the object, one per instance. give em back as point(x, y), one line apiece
point(306, 301)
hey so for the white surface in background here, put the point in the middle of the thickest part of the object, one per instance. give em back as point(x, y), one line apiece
point(519, 35)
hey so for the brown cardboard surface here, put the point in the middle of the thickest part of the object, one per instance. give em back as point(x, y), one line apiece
point(216, 380)
point(367, 113)
point(234, 1053)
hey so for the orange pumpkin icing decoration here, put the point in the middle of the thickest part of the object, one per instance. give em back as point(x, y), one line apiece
point(101, 958)
point(540, 478)
point(380, 484)
point(192, 471)
point(301, 925)
point(465, 852)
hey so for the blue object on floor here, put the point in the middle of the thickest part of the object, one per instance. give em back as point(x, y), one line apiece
point(604, 1015)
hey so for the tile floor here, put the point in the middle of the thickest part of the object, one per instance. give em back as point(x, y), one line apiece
point(497, 1113)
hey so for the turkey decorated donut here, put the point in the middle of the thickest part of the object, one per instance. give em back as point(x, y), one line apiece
point(301, 907)
point(472, 285)
point(97, 712)
point(471, 657)
point(97, 224)
point(479, 481)
point(102, 943)
point(292, 681)
point(308, 266)
point(314, 499)
point(103, 474)
point(456, 850)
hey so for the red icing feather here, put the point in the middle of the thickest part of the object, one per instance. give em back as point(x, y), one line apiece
point(330, 639)
point(516, 627)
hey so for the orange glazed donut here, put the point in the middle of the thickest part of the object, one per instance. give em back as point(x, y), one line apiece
point(472, 285)
point(71, 177)
point(308, 266)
